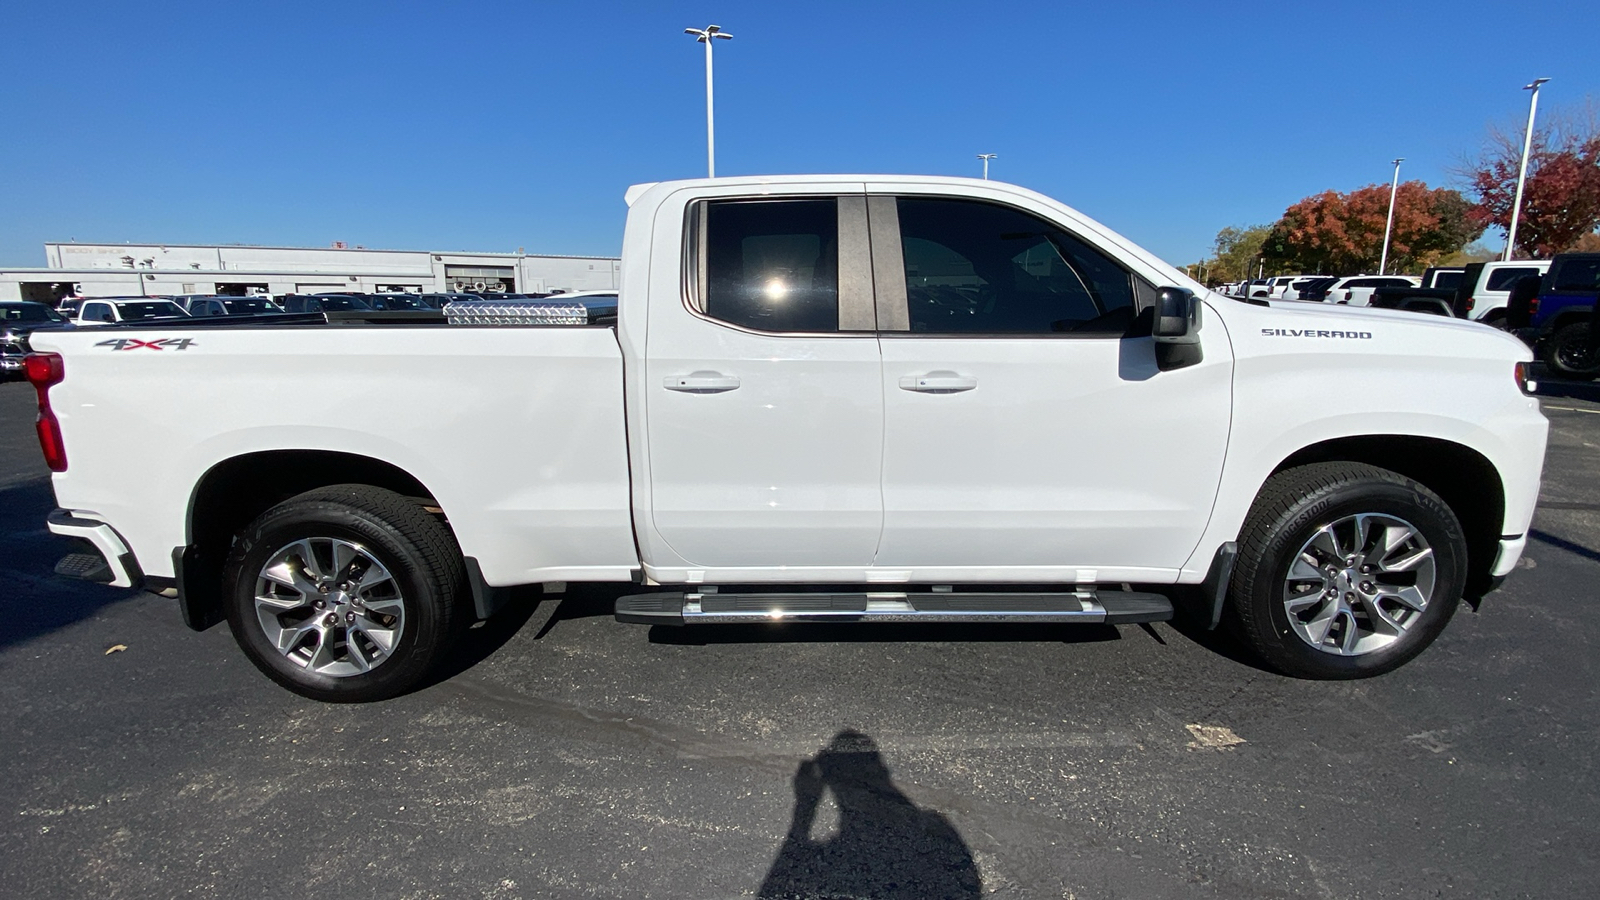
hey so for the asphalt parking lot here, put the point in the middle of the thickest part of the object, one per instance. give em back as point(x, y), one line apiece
point(569, 756)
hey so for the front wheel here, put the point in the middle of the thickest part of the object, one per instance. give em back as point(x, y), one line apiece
point(345, 594)
point(1345, 570)
point(1569, 353)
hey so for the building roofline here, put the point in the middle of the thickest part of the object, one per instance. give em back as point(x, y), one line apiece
point(322, 249)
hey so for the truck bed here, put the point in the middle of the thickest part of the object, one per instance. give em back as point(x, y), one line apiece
point(541, 458)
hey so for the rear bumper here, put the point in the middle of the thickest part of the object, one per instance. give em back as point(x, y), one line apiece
point(125, 571)
point(1510, 551)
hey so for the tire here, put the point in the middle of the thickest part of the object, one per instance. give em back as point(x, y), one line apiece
point(1495, 319)
point(1347, 507)
point(1567, 353)
point(379, 604)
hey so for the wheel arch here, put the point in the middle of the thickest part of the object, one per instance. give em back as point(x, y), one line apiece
point(1464, 478)
point(233, 492)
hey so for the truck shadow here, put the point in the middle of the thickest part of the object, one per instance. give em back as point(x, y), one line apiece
point(33, 599)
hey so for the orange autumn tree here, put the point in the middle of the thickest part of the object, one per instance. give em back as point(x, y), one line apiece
point(1342, 234)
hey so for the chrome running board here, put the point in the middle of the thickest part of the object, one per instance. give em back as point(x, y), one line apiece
point(711, 607)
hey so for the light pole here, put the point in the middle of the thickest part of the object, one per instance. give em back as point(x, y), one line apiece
point(986, 157)
point(1522, 173)
point(1388, 228)
point(706, 36)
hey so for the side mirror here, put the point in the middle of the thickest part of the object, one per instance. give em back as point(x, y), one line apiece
point(1175, 326)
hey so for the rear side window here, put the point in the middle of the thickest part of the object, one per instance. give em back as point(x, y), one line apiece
point(1577, 275)
point(1447, 280)
point(980, 268)
point(1503, 279)
point(771, 265)
point(96, 312)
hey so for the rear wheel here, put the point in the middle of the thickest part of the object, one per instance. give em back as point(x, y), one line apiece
point(1345, 571)
point(345, 594)
point(1569, 354)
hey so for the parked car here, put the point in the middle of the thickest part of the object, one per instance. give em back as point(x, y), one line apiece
point(1561, 315)
point(1297, 289)
point(602, 305)
point(18, 319)
point(745, 424)
point(200, 307)
point(437, 301)
point(1357, 290)
point(304, 303)
point(398, 301)
point(1486, 286)
point(104, 311)
point(1442, 277)
point(1277, 284)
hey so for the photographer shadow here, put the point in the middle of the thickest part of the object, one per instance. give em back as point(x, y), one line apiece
point(885, 847)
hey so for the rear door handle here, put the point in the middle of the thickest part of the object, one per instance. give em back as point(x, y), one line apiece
point(701, 383)
point(940, 382)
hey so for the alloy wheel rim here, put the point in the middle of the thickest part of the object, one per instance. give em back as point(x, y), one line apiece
point(329, 606)
point(1359, 583)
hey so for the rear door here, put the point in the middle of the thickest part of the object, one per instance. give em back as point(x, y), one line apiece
point(1028, 432)
point(763, 404)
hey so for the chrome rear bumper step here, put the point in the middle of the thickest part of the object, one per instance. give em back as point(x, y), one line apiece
point(715, 608)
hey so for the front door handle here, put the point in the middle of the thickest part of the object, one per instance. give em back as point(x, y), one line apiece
point(941, 382)
point(702, 382)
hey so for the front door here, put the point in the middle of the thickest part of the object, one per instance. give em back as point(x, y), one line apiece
point(1028, 432)
point(764, 412)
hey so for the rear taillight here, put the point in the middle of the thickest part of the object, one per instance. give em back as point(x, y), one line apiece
point(1471, 302)
point(45, 370)
point(1520, 372)
point(1533, 306)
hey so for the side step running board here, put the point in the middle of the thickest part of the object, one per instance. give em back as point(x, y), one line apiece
point(712, 608)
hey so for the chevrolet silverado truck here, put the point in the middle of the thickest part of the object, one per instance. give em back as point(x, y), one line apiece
point(845, 399)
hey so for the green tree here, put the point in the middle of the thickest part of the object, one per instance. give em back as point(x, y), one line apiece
point(1236, 253)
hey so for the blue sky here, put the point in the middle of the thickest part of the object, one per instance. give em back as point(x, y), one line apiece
point(493, 126)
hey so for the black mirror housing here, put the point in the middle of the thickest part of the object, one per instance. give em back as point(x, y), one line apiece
point(1175, 326)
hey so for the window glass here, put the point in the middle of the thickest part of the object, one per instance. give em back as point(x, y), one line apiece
point(1578, 274)
point(980, 268)
point(95, 312)
point(1447, 280)
point(155, 309)
point(1502, 279)
point(773, 265)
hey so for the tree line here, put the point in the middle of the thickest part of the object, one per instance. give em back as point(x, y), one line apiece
point(1334, 233)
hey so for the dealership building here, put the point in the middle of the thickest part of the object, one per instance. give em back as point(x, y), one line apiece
point(118, 270)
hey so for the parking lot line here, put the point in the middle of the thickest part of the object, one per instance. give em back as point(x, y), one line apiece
point(1574, 409)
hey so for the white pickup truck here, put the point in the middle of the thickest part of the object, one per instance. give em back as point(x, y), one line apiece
point(837, 398)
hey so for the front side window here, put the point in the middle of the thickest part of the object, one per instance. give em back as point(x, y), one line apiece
point(771, 265)
point(980, 268)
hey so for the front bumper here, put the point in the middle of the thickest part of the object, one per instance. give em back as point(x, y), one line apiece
point(1510, 551)
point(124, 568)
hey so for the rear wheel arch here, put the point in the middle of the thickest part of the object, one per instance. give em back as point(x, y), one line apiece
point(232, 493)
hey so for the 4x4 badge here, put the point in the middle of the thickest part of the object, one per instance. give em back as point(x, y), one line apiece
point(158, 344)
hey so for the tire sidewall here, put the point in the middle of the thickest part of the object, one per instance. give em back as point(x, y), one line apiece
point(288, 523)
point(1289, 533)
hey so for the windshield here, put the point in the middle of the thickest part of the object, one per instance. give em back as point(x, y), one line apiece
point(29, 313)
point(340, 304)
point(404, 302)
point(248, 307)
point(154, 309)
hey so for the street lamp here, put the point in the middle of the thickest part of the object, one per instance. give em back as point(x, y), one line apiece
point(986, 157)
point(1522, 173)
point(1388, 228)
point(706, 36)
